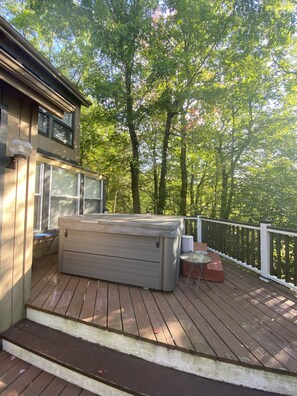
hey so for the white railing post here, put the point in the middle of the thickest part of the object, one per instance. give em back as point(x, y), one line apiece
point(199, 229)
point(265, 250)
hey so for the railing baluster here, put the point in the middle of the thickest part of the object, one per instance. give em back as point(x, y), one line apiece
point(265, 249)
point(287, 258)
point(295, 261)
point(278, 257)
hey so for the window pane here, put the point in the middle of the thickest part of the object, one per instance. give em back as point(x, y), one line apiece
point(63, 134)
point(37, 212)
point(43, 123)
point(92, 188)
point(64, 182)
point(67, 119)
point(61, 207)
point(92, 206)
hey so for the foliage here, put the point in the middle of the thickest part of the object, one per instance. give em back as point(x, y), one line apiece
point(194, 102)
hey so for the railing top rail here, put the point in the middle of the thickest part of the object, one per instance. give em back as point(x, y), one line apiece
point(283, 231)
point(229, 222)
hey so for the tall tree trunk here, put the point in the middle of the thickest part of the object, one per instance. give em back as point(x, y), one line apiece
point(162, 185)
point(134, 164)
point(183, 169)
point(224, 195)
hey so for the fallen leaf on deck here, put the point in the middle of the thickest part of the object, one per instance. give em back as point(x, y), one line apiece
point(22, 371)
point(12, 357)
point(156, 331)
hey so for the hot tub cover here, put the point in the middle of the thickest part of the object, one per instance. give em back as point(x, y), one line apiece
point(132, 224)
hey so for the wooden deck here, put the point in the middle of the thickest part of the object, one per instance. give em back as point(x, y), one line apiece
point(18, 377)
point(243, 321)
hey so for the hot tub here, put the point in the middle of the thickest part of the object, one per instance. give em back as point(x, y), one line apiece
point(141, 250)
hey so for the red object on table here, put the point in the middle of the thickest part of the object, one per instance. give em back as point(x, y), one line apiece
point(213, 271)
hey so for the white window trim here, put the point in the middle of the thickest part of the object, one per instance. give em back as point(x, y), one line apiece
point(77, 197)
point(41, 183)
point(100, 199)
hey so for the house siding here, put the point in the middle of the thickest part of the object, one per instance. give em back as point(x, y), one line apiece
point(17, 208)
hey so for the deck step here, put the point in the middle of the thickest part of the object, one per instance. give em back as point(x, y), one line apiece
point(21, 378)
point(102, 370)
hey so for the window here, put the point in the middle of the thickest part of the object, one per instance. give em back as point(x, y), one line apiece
point(64, 195)
point(38, 196)
point(92, 195)
point(43, 122)
point(60, 130)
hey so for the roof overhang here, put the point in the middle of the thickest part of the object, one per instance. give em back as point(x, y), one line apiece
point(36, 56)
point(14, 73)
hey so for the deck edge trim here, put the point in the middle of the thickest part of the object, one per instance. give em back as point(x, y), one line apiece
point(193, 364)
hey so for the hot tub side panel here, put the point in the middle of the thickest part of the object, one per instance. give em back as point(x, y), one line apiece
point(129, 259)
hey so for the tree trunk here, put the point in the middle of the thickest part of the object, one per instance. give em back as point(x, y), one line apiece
point(224, 195)
point(183, 170)
point(162, 185)
point(134, 164)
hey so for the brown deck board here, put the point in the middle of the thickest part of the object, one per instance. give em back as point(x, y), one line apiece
point(124, 372)
point(128, 316)
point(71, 390)
point(283, 352)
point(198, 341)
point(100, 311)
point(21, 378)
point(114, 308)
point(178, 334)
point(221, 327)
point(39, 286)
point(11, 372)
point(159, 326)
point(235, 321)
point(55, 295)
point(63, 304)
point(47, 290)
point(22, 381)
point(250, 336)
point(219, 348)
point(39, 384)
point(87, 310)
point(78, 298)
point(144, 325)
point(252, 352)
point(55, 387)
point(40, 272)
point(286, 328)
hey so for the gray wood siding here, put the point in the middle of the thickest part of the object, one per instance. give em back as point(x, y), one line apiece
point(17, 217)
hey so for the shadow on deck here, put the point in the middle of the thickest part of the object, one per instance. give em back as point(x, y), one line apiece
point(239, 324)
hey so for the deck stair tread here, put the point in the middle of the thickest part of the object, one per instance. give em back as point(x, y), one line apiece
point(124, 372)
point(21, 378)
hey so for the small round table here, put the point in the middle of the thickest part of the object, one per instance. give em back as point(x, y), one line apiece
point(198, 259)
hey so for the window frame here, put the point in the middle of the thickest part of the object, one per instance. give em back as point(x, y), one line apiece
point(70, 197)
point(52, 121)
point(40, 195)
point(44, 113)
point(100, 199)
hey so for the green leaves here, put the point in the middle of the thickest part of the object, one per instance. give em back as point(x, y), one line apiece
point(194, 101)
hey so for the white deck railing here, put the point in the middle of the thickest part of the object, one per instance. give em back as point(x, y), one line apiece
point(269, 251)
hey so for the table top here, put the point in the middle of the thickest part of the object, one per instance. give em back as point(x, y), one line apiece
point(196, 257)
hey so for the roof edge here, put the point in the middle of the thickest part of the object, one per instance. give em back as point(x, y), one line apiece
point(20, 41)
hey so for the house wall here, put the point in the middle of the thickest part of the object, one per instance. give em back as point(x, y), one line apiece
point(16, 206)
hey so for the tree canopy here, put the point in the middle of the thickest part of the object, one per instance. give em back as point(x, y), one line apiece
point(194, 102)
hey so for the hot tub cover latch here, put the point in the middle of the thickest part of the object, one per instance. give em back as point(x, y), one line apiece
point(158, 242)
